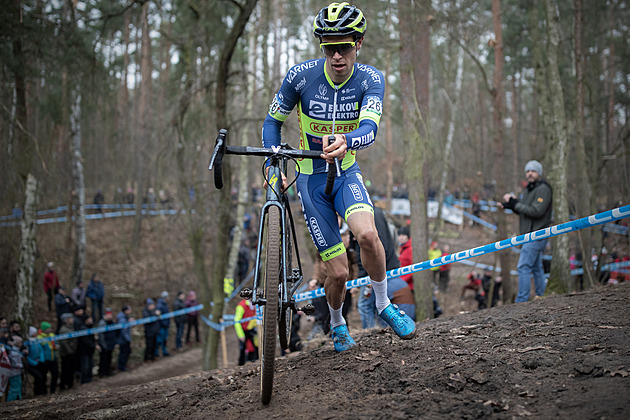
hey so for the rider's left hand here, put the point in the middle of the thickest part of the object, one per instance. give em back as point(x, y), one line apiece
point(337, 148)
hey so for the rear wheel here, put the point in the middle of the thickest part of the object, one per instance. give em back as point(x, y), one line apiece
point(270, 309)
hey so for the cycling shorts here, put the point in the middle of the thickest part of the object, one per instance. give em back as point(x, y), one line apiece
point(320, 209)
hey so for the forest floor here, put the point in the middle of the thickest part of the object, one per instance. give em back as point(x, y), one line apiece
point(562, 356)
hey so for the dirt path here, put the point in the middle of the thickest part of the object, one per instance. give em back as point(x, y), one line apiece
point(563, 356)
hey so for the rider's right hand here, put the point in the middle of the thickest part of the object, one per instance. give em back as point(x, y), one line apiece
point(285, 183)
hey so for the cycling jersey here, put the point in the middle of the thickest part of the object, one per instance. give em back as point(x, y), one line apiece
point(358, 103)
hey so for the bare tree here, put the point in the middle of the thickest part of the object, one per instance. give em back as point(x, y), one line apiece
point(28, 250)
point(415, 22)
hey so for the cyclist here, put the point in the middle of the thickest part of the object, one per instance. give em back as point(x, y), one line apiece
point(339, 107)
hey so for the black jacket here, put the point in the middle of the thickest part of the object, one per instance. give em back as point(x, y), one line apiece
point(534, 209)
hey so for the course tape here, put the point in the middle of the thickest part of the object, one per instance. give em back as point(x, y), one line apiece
point(222, 325)
point(113, 327)
point(583, 223)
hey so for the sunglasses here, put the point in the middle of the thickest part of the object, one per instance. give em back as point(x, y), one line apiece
point(343, 48)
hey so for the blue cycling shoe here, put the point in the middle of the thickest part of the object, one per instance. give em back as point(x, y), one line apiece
point(341, 338)
point(400, 322)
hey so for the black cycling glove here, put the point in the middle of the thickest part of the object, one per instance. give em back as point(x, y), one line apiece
point(511, 203)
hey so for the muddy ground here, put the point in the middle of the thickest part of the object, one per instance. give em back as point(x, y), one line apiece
point(562, 356)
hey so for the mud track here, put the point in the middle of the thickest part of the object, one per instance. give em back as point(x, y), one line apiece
point(562, 356)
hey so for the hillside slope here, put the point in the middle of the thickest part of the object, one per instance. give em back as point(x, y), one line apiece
point(562, 356)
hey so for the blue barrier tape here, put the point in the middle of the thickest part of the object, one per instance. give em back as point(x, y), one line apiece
point(583, 223)
point(222, 325)
point(114, 327)
point(479, 220)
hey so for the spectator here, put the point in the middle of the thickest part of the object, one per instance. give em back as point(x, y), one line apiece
point(321, 317)
point(486, 283)
point(434, 252)
point(85, 351)
point(180, 320)
point(130, 196)
point(192, 318)
point(124, 338)
point(15, 329)
point(3, 322)
point(474, 284)
point(401, 295)
point(99, 199)
point(405, 253)
point(96, 293)
point(62, 306)
point(242, 265)
point(67, 353)
point(49, 356)
point(15, 348)
point(246, 331)
point(445, 271)
point(534, 211)
point(162, 307)
point(51, 284)
point(151, 330)
point(78, 296)
point(34, 362)
point(119, 198)
point(106, 344)
point(366, 304)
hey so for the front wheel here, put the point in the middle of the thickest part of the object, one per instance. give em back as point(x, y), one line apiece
point(270, 309)
point(286, 317)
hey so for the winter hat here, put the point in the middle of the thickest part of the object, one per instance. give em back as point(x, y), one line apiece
point(51, 264)
point(403, 231)
point(108, 311)
point(32, 331)
point(44, 326)
point(150, 301)
point(65, 316)
point(17, 340)
point(534, 165)
point(164, 294)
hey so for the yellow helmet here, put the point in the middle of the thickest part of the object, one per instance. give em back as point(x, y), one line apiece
point(340, 19)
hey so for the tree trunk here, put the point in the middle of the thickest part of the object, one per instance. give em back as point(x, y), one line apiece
point(446, 153)
point(559, 277)
point(79, 188)
point(498, 140)
point(221, 221)
point(143, 140)
point(414, 75)
point(584, 205)
point(243, 173)
point(28, 251)
point(387, 119)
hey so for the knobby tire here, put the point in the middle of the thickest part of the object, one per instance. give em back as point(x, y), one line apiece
point(270, 314)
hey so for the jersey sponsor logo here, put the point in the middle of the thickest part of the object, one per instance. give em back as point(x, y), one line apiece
point(322, 89)
point(371, 72)
point(317, 232)
point(347, 90)
point(329, 254)
point(364, 85)
point(300, 68)
point(363, 141)
point(317, 109)
point(301, 84)
point(326, 128)
point(356, 192)
point(347, 98)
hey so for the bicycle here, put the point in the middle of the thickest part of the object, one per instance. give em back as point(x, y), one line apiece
point(275, 281)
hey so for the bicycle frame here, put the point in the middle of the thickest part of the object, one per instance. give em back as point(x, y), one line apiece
point(276, 197)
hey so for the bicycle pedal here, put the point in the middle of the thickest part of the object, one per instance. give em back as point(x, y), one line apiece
point(307, 309)
point(246, 293)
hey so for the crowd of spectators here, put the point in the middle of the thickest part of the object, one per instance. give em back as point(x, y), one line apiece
point(59, 364)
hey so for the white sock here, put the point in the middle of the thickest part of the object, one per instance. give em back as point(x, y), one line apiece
point(336, 319)
point(380, 293)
